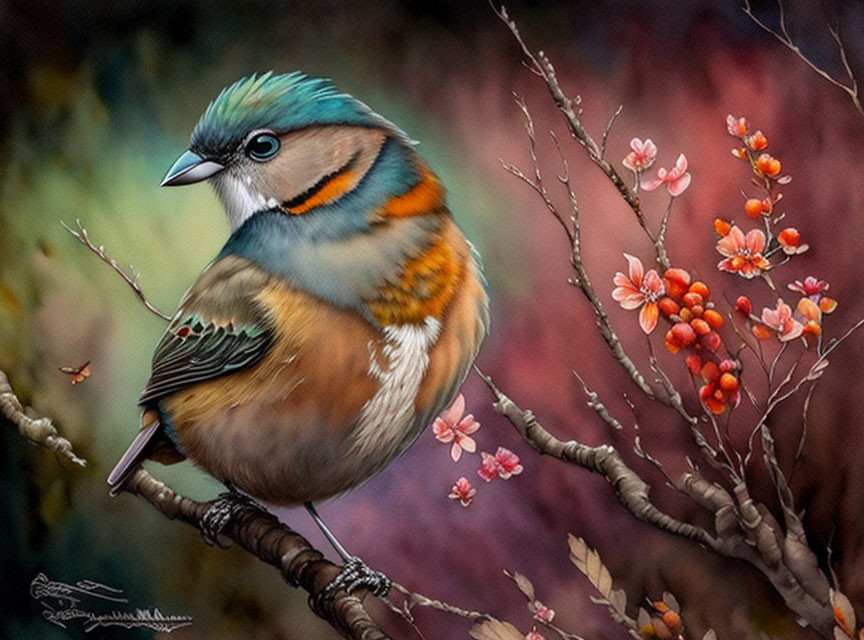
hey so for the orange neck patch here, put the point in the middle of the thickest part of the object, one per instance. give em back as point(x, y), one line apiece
point(425, 287)
point(424, 197)
point(338, 185)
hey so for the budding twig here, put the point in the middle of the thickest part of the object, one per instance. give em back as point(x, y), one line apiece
point(131, 280)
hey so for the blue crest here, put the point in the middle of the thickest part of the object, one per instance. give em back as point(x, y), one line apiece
point(280, 103)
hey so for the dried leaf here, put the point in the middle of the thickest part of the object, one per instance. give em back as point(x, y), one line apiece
point(844, 614)
point(523, 583)
point(710, 635)
point(671, 602)
point(79, 373)
point(643, 619)
point(589, 563)
point(492, 629)
point(839, 634)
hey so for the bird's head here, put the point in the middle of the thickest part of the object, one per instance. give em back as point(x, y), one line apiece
point(282, 141)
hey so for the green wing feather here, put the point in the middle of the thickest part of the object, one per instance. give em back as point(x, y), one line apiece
point(219, 330)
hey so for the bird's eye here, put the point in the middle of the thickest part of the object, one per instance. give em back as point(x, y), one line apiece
point(262, 147)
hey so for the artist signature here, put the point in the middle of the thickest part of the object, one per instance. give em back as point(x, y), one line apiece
point(60, 602)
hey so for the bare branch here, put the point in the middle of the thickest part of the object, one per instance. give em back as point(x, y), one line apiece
point(35, 428)
point(631, 489)
point(785, 38)
point(131, 280)
point(571, 110)
point(262, 535)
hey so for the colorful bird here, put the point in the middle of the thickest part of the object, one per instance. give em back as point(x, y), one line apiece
point(338, 321)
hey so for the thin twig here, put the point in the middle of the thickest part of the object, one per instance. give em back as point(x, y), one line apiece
point(37, 429)
point(131, 280)
point(852, 89)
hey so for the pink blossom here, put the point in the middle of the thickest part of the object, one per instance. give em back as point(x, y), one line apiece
point(743, 253)
point(543, 612)
point(534, 635)
point(462, 491)
point(503, 464)
point(780, 319)
point(642, 156)
point(677, 179)
point(639, 290)
point(450, 426)
point(736, 126)
point(811, 287)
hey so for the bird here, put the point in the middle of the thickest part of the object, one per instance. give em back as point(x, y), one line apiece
point(339, 319)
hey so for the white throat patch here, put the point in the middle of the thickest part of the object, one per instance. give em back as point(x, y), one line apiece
point(240, 197)
point(386, 416)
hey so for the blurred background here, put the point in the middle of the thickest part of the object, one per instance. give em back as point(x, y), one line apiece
point(100, 97)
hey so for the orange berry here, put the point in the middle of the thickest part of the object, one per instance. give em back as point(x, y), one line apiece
point(694, 364)
point(697, 310)
point(722, 227)
point(701, 327)
point(701, 288)
point(827, 305)
point(729, 382)
point(668, 306)
point(686, 314)
point(683, 334)
point(761, 331)
point(676, 281)
point(757, 141)
point(692, 299)
point(768, 165)
point(789, 236)
point(673, 621)
point(713, 318)
point(740, 152)
point(712, 341)
point(710, 371)
point(809, 309)
point(661, 606)
point(743, 305)
point(754, 207)
point(812, 327)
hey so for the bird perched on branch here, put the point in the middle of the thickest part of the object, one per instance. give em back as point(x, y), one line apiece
point(340, 318)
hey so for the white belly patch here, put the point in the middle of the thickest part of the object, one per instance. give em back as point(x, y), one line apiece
point(387, 415)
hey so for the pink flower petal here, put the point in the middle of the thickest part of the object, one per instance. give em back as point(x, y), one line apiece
point(620, 280)
point(455, 451)
point(678, 186)
point(653, 282)
point(467, 443)
point(648, 317)
point(650, 185)
point(628, 300)
point(468, 425)
point(755, 241)
point(443, 432)
point(680, 167)
point(637, 271)
point(454, 412)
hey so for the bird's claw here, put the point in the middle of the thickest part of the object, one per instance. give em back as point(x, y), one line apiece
point(356, 574)
point(219, 514)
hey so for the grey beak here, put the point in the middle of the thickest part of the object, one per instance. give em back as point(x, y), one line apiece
point(190, 168)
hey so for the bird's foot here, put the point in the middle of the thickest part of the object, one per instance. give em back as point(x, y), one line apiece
point(356, 574)
point(217, 517)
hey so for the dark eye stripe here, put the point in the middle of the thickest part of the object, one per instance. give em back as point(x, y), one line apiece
point(298, 200)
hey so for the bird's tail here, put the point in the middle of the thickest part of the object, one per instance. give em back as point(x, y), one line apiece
point(134, 455)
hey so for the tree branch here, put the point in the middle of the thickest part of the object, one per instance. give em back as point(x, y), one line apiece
point(783, 36)
point(262, 535)
point(37, 429)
